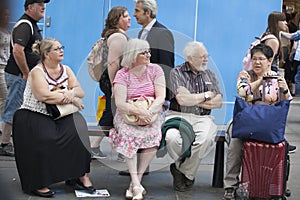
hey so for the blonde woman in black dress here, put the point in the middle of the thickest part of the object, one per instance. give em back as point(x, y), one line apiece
point(48, 151)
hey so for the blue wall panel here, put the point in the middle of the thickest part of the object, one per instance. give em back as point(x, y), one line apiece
point(226, 28)
point(78, 27)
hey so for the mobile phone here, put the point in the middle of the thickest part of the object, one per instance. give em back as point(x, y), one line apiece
point(270, 77)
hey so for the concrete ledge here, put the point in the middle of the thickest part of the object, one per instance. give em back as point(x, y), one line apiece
point(95, 130)
point(295, 101)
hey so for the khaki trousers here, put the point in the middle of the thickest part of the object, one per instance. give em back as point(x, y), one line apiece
point(205, 131)
point(233, 162)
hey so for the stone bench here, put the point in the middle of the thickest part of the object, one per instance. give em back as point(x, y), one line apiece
point(94, 130)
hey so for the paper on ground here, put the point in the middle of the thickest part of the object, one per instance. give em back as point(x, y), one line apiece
point(98, 193)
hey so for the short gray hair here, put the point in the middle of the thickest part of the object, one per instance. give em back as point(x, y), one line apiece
point(131, 51)
point(191, 47)
point(149, 5)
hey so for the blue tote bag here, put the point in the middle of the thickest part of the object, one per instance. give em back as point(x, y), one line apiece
point(264, 123)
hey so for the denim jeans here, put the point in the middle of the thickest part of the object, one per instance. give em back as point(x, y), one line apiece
point(3, 89)
point(15, 88)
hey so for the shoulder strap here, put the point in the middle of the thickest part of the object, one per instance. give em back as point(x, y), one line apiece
point(17, 24)
point(125, 35)
point(38, 67)
point(118, 32)
point(268, 36)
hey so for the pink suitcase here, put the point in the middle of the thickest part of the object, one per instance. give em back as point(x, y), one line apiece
point(264, 169)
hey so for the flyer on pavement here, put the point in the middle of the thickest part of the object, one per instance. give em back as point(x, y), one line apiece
point(98, 193)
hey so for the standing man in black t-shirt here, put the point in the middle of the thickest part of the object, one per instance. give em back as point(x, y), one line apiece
point(21, 61)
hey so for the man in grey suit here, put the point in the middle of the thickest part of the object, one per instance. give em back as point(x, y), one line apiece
point(159, 37)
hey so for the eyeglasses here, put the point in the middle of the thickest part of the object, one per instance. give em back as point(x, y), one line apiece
point(260, 59)
point(145, 52)
point(206, 56)
point(59, 48)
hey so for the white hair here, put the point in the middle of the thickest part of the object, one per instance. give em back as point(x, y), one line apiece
point(192, 47)
point(131, 51)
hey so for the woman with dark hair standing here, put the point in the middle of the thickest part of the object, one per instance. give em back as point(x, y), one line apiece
point(276, 23)
point(117, 22)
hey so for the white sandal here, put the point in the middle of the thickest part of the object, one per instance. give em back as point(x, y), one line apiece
point(129, 193)
point(139, 195)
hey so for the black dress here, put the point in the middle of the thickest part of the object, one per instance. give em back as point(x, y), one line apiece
point(48, 151)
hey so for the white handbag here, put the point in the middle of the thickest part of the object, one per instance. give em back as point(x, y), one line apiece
point(59, 111)
point(142, 102)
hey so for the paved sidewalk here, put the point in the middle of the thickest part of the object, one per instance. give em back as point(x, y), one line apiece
point(104, 174)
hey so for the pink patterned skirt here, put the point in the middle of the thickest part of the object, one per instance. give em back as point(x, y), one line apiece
point(128, 139)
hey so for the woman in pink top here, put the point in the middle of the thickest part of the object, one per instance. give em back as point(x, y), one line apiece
point(138, 78)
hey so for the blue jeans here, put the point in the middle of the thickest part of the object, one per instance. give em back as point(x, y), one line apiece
point(15, 89)
point(297, 80)
point(3, 89)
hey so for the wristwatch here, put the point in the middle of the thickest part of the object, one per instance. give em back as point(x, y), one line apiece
point(206, 96)
point(285, 91)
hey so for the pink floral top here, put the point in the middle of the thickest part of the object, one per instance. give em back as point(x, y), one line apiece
point(245, 91)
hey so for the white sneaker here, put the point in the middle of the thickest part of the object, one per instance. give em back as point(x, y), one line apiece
point(97, 153)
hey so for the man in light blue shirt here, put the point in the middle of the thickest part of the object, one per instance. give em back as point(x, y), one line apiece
point(296, 35)
point(295, 52)
point(292, 36)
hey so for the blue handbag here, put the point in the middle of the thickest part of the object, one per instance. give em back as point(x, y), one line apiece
point(264, 123)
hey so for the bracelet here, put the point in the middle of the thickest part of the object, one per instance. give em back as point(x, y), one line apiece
point(285, 91)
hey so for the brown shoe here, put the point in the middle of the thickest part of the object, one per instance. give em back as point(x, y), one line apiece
point(229, 194)
point(188, 183)
point(178, 179)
